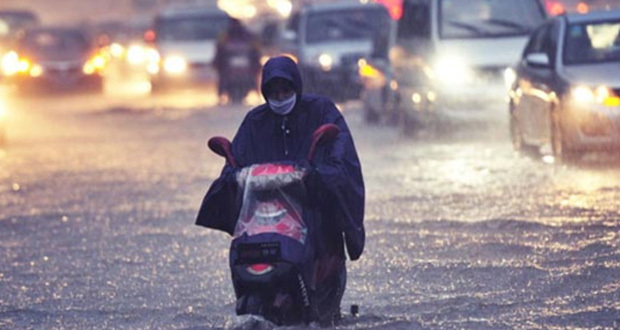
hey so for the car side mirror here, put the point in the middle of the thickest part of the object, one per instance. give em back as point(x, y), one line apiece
point(540, 60)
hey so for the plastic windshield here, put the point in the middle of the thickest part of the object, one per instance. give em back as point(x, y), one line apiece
point(271, 201)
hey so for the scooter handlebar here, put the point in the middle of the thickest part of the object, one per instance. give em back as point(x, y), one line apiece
point(222, 146)
point(326, 133)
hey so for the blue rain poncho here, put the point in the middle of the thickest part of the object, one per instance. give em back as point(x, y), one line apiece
point(334, 183)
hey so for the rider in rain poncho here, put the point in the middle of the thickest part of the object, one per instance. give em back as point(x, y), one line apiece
point(281, 131)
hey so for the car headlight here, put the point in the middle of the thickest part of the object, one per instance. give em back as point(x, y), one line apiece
point(36, 70)
point(367, 70)
point(452, 71)
point(326, 61)
point(117, 50)
point(94, 64)
point(510, 77)
point(136, 54)
point(599, 95)
point(12, 64)
point(175, 64)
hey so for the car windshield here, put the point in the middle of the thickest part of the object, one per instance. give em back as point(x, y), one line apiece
point(191, 28)
point(55, 41)
point(592, 43)
point(11, 22)
point(488, 18)
point(353, 24)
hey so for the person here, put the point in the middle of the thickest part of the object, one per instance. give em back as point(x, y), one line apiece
point(237, 59)
point(280, 130)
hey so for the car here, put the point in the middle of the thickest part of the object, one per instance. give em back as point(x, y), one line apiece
point(54, 59)
point(449, 55)
point(12, 21)
point(185, 39)
point(565, 91)
point(328, 40)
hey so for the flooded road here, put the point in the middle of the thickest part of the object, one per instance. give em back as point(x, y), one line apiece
point(98, 198)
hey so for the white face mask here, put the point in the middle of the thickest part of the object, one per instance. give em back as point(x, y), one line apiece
point(282, 107)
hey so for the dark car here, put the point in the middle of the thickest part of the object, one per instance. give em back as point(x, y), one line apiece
point(566, 89)
point(55, 59)
point(12, 21)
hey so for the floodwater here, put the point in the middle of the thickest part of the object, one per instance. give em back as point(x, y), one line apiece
point(98, 200)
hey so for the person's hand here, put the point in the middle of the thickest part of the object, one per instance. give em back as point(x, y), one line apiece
point(242, 175)
point(304, 165)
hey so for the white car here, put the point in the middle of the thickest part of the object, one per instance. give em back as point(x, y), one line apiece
point(566, 90)
point(328, 40)
point(451, 54)
point(185, 39)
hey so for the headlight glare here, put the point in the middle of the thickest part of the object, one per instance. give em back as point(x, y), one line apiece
point(10, 63)
point(136, 54)
point(325, 61)
point(510, 77)
point(175, 64)
point(452, 70)
point(583, 94)
point(599, 95)
point(36, 71)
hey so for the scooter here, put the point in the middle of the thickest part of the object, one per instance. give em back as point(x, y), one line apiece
point(271, 255)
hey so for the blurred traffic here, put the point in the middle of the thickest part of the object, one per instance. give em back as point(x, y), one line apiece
point(412, 64)
point(446, 55)
point(100, 184)
point(54, 59)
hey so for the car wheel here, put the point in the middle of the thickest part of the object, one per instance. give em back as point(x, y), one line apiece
point(562, 152)
point(516, 136)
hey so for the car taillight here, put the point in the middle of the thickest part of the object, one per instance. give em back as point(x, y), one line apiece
point(555, 8)
point(259, 269)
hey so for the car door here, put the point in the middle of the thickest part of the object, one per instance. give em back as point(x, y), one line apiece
point(536, 84)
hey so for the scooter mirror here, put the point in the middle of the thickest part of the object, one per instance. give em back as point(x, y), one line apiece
point(327, 133)
point(222, 146)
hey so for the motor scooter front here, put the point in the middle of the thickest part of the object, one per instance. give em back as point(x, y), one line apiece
point(271, 254)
